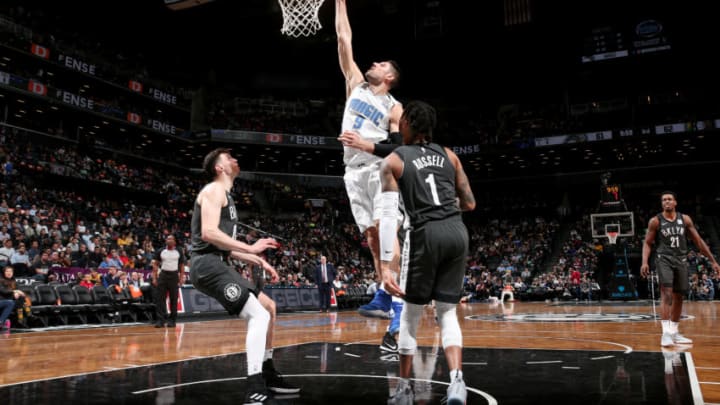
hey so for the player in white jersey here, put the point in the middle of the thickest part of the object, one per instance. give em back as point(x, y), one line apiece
point(371, 116)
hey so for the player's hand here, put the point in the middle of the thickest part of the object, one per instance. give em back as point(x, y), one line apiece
point(716, 267)
point(352, 139)
point(391, 285)
point(265, 243)
point(274, 278)
point(644, 270)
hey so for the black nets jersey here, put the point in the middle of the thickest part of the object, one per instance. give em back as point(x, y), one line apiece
point(228, 225)
point(427, 183)
point(671, 237)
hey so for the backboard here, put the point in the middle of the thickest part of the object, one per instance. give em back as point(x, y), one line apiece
point(622, 222)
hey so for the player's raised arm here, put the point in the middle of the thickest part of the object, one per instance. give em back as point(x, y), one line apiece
point(350, 69)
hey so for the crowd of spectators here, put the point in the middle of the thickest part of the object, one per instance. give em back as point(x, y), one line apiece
point(42, 229)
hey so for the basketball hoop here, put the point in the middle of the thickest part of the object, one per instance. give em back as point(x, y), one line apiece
point(612, 237)
point(300, 17)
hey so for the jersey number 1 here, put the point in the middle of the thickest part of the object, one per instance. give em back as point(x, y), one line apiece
point(430, 179)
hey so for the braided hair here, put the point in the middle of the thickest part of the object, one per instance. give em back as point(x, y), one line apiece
point(421, 118)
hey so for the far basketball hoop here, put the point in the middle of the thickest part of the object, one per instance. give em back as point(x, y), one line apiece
point(300, 17)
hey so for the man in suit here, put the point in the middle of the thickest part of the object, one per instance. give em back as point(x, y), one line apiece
point(324, 276)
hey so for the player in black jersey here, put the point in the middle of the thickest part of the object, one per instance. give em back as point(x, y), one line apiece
point(670, 229)
point(435, 189)
point(213, 231)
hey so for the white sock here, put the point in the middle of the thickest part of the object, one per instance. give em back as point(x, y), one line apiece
point(258, 320)
point(455, 374)
point(665, 326)
point(268, 354)
point(674, 327)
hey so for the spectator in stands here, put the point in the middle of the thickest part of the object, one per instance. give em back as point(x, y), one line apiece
point(671, 229)
point(111, 277)
point(8, 170)
point(95, 277)
point(125, 240)
point(73, 246)
point(60, 258)
point(709, 287)
point(135, 259)
point(575, 278)
point(34, 250)
point(95, 257)
point(123, 279)
point(87, 281)
point(9, 290)
point(125, 259)
point(6, 252)
point(137, 286)
point(20, 256)
point(40, 268)
point(137, 280)
point(81, 257)
point(147, 246)
point(28, 230)
point(111, 260)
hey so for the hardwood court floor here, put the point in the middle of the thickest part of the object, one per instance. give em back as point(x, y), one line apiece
point(510, 349)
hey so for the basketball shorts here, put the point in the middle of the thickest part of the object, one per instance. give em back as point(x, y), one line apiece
point(433, 261)
point(673, 272)
point(364, 193)
point(211, 275)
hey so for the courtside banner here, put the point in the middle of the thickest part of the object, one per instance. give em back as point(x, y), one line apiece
point(286, 299)
point(267, 138)
point(291, 299)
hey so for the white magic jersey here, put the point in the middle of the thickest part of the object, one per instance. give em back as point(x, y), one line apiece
point(369, 115)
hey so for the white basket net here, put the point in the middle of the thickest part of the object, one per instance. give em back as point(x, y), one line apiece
point(612, 237)
point(300, 17)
